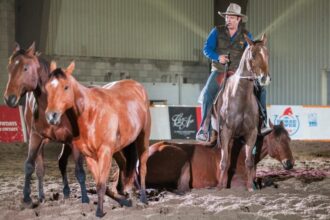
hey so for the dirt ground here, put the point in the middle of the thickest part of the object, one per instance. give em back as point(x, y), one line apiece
point(302, 193)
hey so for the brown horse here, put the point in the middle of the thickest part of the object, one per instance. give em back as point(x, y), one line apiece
point(108, 120)
point(237, 107)
point(28, 74)
point(182, 166)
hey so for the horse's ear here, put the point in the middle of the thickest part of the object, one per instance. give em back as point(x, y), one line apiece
point(32, 49)
point(53, 66)
point(282, 124)
point(248, 40)
point(16, 47)
point(270, 123)
point(264, 39)
point(70, 68)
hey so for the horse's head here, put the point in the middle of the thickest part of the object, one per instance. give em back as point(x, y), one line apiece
point(60, 92)
point(278, 144)
point(258, 59)
point(23, 74)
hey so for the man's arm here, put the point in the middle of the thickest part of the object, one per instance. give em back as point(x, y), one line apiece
point(210, 46)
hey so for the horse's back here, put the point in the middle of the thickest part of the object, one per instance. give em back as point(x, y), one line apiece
point(129, 88)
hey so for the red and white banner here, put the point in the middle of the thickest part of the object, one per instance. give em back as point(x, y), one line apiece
point(11, 129)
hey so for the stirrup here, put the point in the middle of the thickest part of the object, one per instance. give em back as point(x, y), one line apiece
point(202, 136)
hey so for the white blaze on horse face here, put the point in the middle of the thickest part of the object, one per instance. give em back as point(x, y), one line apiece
point(54, 83)
point(16, 62)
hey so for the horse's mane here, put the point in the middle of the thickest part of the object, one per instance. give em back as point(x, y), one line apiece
point(239, 71)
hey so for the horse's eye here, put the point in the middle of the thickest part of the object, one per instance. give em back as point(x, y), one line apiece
point(66, 87)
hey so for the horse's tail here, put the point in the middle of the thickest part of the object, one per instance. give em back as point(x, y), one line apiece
point(131, 157)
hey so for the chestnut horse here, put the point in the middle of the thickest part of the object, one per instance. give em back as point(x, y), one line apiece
point(108, 120)
point(182, 166)
point(28, 74)
point(237, 107)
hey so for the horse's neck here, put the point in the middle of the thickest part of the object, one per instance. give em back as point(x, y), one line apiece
point(81, 97)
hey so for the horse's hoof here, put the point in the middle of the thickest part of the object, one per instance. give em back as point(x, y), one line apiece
point(143, 198)
point(180, 192)
point(66, 192)
point(100, 214)
point(250, 190)
point(41, 200)
point(126, 202)
point(27, 201)
point(220, 187)
point(85, 199)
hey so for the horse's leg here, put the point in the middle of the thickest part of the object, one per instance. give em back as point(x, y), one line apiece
point(40, 171)
point(29, 166)
point(249, 161)
point(103, 167)
point(185, 176)
point(93, 166)
point(142, 143)
point(121, 162)
point(80, 173)
point(225, 147)
point(62, 164)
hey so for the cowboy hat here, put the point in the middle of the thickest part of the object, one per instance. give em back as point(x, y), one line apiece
point(234, 9)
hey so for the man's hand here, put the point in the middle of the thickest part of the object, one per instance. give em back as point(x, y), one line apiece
point(223, 59)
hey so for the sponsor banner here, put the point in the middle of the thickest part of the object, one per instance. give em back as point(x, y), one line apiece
point(302, 123)
point(183, 123)
point(10, 125)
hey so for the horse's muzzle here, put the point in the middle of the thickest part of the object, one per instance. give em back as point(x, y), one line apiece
point(53, 118)
point(264, 80)
point(11, 101)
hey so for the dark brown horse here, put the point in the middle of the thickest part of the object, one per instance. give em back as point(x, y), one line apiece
point(237, 108)
point(182, 166)
point(108, 119)
point(28, 74)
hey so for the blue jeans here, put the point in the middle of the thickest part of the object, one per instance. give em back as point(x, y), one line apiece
point(211, 90)
point(261, 95)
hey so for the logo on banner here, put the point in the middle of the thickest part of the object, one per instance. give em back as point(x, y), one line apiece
point(312, 120)
point(181, 122)
point(291, 121)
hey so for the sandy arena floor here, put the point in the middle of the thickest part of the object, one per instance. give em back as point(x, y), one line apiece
point(303, 193)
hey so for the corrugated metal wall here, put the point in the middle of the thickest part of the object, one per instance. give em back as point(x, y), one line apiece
point(298, 33)
point(150, 29)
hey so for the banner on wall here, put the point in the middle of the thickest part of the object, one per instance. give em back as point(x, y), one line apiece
point(303, 122)
point(11, 129)
point(183, 123)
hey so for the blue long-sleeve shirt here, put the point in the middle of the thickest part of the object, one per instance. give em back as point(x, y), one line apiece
point(210, 44)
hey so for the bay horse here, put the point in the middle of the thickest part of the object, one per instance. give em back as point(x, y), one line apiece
point(237, 108)
point(108, 120)
point(182, 166)
point(28, 74)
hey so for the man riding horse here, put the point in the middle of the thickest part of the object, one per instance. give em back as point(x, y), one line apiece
point(222, 42)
